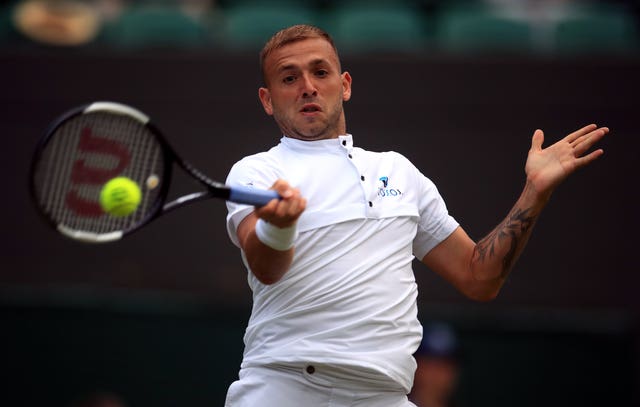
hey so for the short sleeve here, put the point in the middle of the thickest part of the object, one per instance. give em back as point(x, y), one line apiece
point(434, 224)
point(256, 172)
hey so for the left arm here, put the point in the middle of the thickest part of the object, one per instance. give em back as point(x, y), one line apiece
point(480, 269)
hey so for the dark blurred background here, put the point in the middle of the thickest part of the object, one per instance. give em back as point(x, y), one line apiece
point(457, 86)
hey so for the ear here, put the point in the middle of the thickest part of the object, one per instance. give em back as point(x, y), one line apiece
point(265, 99)
point(346, 86)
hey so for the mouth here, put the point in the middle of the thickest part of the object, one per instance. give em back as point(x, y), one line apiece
point(310, 108)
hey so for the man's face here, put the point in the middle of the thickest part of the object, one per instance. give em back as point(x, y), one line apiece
point(305, 90)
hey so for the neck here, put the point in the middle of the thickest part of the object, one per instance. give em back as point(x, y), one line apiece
point(332, 131)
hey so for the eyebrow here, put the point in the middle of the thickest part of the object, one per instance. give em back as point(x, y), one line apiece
point(315, 62)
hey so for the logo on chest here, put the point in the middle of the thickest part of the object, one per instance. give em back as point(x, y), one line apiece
point(384, 190)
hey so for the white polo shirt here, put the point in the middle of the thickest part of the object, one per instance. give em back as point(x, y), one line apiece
point(349, 297)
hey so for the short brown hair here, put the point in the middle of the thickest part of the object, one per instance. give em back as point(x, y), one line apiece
point(293, 34)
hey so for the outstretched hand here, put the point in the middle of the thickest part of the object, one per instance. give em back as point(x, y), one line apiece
point(547, 167)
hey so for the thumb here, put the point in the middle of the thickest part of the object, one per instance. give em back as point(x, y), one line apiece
point(537, 140)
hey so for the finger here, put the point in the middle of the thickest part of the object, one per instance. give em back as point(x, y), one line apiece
point(588, 135)
point(283, 218)
point(283, 212)
point(288, 205)
point(579, 133)
point(587, 141)
point(589, 158)
point(302, 206)
point(267, 211)
point(537, 140)
point(294, 201)
point(274, 216)
point(283, 188)
point(295, 208)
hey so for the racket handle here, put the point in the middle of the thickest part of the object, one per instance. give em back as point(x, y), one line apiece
point(251, 196)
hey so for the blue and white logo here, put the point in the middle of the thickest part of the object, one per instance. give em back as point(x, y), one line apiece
point(384, 190)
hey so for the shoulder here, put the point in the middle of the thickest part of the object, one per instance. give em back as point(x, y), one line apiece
point(399, 159)
point(262, 160)
point(391, 155)
point(387, 157)
point(264, 165)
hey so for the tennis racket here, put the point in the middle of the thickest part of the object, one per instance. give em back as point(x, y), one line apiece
point(92, 144)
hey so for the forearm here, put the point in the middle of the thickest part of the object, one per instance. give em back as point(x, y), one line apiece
point(479, 269)
point(266, 263)
point(267, 235)
point(494, 256)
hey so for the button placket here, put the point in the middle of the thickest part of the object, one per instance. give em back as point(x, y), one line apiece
point(365, 190)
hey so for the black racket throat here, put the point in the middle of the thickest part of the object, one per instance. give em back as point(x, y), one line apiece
point(222, 193)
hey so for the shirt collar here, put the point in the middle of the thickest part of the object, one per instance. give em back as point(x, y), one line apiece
point(340, 144)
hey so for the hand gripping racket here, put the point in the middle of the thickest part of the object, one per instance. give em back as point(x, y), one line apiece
point(92, 144)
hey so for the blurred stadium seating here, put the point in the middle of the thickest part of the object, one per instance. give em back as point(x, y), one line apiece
point(247, 25)
point(475, 28)
point(155, 26)
point(599, 28)
point(376, 27)
point(5, 24)
point(363, 26)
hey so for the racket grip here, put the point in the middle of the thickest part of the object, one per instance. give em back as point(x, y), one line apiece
point(251, 196)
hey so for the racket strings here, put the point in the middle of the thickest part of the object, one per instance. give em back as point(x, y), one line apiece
point(85, 152)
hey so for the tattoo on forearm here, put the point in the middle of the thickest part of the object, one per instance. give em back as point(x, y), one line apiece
point(515, 229)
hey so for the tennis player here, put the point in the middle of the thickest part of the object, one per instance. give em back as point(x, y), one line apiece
point(334, 318)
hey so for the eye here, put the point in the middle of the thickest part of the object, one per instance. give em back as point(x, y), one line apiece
point(322, 73)
point(289, 79)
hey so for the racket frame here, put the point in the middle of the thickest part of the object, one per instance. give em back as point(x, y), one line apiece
point(160, 206)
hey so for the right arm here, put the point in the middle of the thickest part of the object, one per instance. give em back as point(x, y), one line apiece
point(266, 263)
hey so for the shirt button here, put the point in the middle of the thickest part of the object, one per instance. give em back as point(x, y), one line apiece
point(311, 369)
point(344, 142)
point(350, 156)
point(370, 203)
point(362, 177)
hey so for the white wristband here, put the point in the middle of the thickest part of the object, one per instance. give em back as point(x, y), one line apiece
point(275, 237)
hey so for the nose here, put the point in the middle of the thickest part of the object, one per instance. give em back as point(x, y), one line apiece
point(308, 87)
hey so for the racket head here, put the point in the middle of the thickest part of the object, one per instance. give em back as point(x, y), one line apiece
point(85, 148)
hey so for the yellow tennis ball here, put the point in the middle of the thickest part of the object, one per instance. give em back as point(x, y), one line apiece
point(120, 196)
